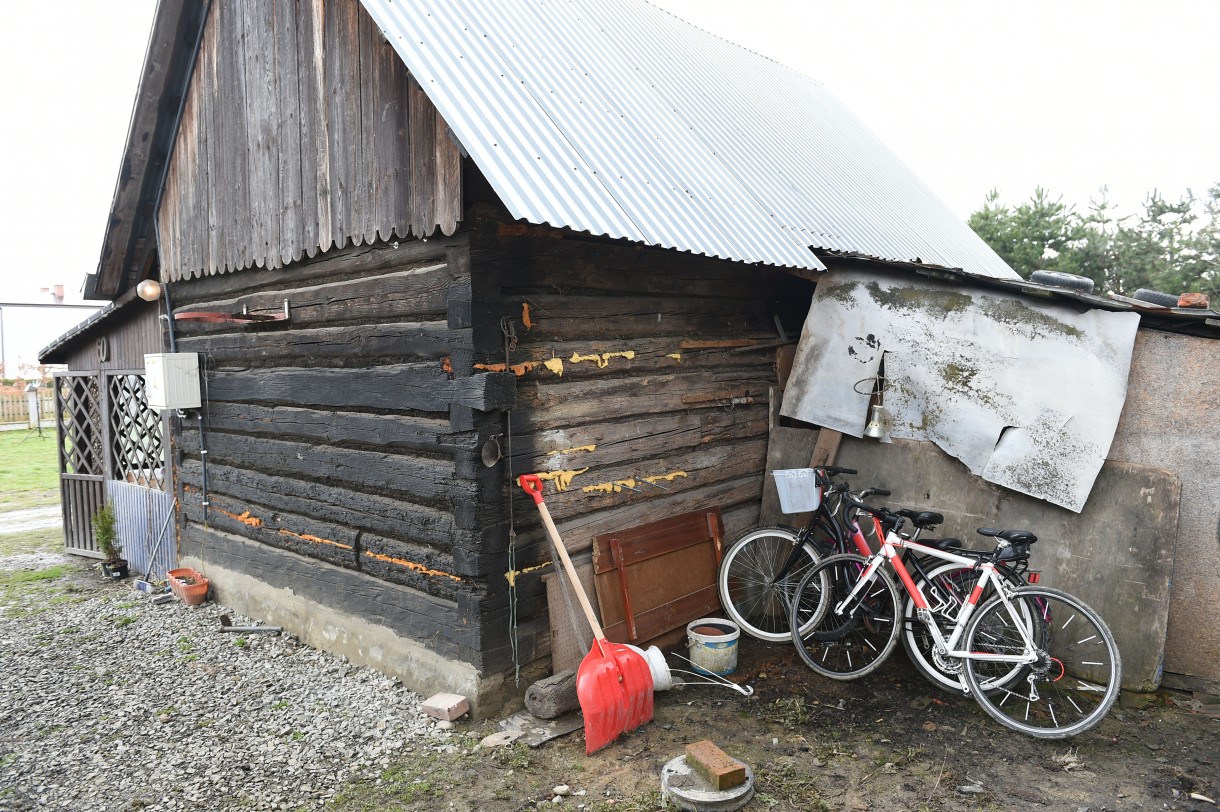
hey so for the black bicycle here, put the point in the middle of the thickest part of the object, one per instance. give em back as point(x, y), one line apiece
point(762, 567)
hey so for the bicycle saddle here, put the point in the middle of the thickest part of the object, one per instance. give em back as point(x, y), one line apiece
point(921, 518)
point(1011, 536)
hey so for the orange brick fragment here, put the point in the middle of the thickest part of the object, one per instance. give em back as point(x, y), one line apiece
point(717, 767)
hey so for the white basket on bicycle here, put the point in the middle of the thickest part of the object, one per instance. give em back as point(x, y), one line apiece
point(798, 489)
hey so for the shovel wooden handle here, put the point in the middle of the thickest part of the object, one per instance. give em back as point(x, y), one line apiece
point(532, 485)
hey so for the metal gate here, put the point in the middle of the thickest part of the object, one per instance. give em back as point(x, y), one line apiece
point(107, 432)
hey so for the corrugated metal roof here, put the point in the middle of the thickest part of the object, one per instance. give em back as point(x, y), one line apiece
point(615, 117)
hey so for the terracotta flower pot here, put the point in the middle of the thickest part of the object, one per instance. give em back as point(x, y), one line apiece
point(190, 587)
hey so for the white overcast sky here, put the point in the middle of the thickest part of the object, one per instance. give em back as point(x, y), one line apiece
point(971, 94)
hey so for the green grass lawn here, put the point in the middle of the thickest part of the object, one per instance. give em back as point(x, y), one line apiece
point(29, 475)
point(29, 478)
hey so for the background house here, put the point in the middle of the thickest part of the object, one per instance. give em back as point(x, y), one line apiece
point(581, 234)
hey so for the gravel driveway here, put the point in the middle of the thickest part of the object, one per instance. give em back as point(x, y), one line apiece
point(110, 702)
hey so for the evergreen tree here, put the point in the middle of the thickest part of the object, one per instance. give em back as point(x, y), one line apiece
point(1170, 246)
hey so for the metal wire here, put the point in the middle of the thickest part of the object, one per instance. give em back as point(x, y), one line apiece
point(508, 329)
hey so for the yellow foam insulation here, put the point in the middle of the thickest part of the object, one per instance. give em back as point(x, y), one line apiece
point(677, 356)
point(603, 359)
point(511, 575)
point(572, 450)
point(554, 365)
point(525, 316)
point(518, 369)
point(609, 487)
point(245, 518)
point(562, 479)
point(411, 565)
point(316, 539)
point(670, 477)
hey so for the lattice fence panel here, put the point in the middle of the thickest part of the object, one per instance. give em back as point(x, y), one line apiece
point(137, 453)
point(79, 416)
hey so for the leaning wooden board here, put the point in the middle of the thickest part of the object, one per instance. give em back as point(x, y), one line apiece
point(658, 577)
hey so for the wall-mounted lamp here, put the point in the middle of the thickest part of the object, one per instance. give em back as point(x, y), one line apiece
point(150, 290)
point(878, 418)
point(880, 421)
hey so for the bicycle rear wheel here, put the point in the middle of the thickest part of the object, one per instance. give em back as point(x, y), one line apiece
point(854, 640)
point(1073, 682)
point(750, 591)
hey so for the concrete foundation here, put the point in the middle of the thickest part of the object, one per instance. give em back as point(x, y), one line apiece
point(360, 641)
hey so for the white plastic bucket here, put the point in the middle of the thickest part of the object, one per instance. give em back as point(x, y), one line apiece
point(798, 490)
point(662, 679)
point(713, 645)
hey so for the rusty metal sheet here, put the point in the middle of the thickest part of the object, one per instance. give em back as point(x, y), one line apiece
point(1026, 394)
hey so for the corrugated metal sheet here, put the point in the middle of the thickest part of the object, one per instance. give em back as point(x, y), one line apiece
point(615, 117)
point(150, 541)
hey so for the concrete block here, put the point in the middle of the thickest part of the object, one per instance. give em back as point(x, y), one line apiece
point(717, 767)
point(445, 707)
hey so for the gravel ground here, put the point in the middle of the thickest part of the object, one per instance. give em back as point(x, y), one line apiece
point(110, 702)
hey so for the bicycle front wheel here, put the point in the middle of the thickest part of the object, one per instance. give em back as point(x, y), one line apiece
point(1074, 678)
point(752, 591)
point(840, 638)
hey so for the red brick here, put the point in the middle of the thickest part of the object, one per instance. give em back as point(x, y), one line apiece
point(446, 707)
point(717, 767)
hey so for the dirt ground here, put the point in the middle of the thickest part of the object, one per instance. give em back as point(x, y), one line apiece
point(887, 742)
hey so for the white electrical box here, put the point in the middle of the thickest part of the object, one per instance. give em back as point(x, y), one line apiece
point(171, 380)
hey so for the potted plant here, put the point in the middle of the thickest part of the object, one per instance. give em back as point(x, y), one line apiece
point(106, 534)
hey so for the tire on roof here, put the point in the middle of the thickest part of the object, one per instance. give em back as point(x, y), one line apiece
point(1059, 279)
point(1156, 297)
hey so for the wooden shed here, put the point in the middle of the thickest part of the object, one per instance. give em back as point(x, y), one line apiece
point(396, 312)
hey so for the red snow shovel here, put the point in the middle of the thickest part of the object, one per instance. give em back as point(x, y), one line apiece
point(613, 683)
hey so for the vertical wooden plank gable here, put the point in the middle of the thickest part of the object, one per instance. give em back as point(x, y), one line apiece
point(262, 131)
point(422, 125)
point(205, 86)
point(448, 187)
point(302, 135)
point(289, 246)
point(391, 144)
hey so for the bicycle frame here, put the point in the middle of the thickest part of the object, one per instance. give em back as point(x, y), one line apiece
point(891, 544)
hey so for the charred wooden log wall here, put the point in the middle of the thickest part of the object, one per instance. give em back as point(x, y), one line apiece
point(345, 436)
point(643, 379)
point(301, 131)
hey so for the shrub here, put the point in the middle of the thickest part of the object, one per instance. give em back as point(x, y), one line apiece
point(106, 534)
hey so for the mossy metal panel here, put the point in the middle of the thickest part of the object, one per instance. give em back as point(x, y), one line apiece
point(1026, 394)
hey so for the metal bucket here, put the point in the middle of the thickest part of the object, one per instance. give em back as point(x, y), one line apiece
point(713, 645)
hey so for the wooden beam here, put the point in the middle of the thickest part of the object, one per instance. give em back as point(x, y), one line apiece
point(825, 449)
